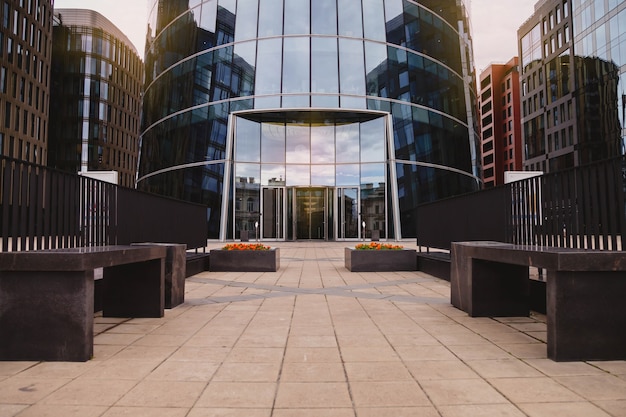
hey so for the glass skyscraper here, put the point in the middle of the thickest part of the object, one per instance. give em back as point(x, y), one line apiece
point(309, 119)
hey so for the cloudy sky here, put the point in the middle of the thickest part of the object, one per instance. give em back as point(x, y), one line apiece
point(494, 24)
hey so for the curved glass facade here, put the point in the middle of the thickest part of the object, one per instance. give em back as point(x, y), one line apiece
point(308, 119)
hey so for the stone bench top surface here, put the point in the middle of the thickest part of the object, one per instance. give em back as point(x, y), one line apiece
point(548, 257)
point(79, 259)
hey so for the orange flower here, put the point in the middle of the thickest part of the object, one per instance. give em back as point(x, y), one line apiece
point(377, 246)
point(245, 246)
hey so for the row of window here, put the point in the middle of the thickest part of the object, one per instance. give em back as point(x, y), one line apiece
point(21, 89)
point(14, 147)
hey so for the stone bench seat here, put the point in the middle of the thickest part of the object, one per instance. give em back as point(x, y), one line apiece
point(47, 297)
point(585, 293)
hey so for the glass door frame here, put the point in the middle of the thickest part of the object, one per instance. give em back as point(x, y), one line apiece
point(327, 194)
point(280, 213)
point(340, 231)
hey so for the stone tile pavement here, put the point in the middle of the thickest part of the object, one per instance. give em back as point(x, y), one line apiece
point(314, 339)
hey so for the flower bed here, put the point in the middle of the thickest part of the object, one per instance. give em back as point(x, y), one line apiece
point(244, 257)
point(376, 257)
point(246, 246)
point(377, 246)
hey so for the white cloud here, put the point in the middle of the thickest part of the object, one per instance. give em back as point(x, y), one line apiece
point(494, 29)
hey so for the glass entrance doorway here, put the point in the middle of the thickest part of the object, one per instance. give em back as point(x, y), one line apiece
point(348, 209)
point(272, 224)
point(311, 213)
point(308, 175)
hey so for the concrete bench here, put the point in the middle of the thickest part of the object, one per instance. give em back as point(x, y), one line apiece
point(47, 297)
point(585, 293)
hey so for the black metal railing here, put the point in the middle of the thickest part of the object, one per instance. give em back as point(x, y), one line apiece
point(582, 207)
point(42, 208)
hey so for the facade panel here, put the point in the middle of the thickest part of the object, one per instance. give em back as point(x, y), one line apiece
point(25, 58)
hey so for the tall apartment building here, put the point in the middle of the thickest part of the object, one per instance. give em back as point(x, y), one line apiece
point(573, 57)
point(97, 79)
point(25, 53)
point(499, 108)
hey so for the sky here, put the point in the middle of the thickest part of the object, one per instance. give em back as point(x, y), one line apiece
point(494, 24)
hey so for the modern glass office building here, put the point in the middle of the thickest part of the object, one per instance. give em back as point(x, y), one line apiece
point(309, 119)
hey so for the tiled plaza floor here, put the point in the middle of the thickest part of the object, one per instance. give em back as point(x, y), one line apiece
point(315, 340)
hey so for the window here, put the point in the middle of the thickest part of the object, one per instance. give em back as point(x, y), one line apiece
point(7, 115)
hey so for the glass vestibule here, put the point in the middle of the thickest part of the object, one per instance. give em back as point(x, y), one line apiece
point(309, 175)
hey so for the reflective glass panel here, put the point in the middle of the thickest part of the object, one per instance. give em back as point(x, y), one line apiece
point(323, 144)
point(246, 21)
point(351, 67)
point(376, 68)
point(350, 20)
point(347, 174)
point(373, 20)
point(269, 66)
point(373, 140)
point(270, 17)
point(248, 141)
point(323, 175)
point(298, 175)
point(267, 102)
point(295, 101)
point(298, 146)
point(347, 143)
point(325, 101)
point(229, 5)
point(393, 9)
point(324, 77)
point(273, 142)
point(296, 65)
point(324, 17)
point(297, 16)
point(209, 16)
point(249, 174)
point(273, 175)
point(372, 174)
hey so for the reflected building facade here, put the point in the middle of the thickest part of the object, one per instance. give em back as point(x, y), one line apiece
point(309, 119)
point(96, 87)
point(573, 72)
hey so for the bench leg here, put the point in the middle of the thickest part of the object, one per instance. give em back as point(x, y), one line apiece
point(134, 290)
point(586, 315)
point(488, 289)
point(46, 316)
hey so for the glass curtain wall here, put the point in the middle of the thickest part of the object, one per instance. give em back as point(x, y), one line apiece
point(311, 161)
point(209, 59)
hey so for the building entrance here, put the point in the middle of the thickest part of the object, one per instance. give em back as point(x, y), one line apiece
point(311, 214)
point(304, 175)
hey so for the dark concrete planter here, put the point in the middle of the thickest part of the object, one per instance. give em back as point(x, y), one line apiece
point(244, 260)
point(380, 260)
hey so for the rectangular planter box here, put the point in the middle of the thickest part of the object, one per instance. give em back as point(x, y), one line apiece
point(380, 260)
point(244, 260)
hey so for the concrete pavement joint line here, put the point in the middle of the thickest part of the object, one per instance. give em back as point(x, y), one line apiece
point(231, 283)
point(336, 291)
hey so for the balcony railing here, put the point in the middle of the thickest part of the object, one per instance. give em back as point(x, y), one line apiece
point(42, 208)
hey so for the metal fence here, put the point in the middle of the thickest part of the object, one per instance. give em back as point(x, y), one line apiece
point(41, 208)
point(582, 207)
